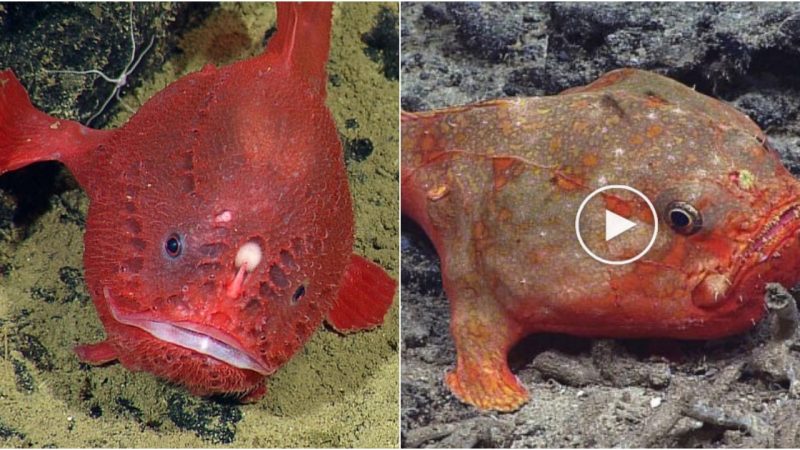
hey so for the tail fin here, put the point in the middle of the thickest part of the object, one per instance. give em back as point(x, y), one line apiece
point(28, 135)
point(365, 295)
point(304, 39)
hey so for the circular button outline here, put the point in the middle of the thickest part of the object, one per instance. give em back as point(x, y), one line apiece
point(608, 261)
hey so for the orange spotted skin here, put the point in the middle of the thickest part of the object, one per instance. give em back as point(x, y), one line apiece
point(243, 155)
point(497, 185)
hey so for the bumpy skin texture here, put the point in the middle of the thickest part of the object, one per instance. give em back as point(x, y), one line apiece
point(497, 185)
point(223, 157)
point(213, 159)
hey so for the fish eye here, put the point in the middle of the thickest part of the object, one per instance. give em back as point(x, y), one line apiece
point(684, 218)
point(173, 246)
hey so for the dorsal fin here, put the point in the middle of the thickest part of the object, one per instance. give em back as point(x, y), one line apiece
point(303, 40)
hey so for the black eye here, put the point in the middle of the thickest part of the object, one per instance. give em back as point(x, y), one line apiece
point(684, 218)
point(173, 246)
point(298, 294)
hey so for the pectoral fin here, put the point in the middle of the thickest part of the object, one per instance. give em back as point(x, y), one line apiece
point(96, 354)
point(366, 293)
point(28, 135)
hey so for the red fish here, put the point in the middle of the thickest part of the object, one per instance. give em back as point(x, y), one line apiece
point(497, 187)
point(220, 229)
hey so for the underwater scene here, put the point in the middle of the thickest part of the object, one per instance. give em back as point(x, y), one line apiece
point(547, 304)
point(288, 365)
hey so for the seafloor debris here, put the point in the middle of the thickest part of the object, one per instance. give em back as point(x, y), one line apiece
point(776, 360)
point(773, 362)
point(477, 432)
point(610, 365)
point(685, 402)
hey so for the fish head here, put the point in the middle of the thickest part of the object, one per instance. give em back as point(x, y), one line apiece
point(729, 212)
point(224, 229)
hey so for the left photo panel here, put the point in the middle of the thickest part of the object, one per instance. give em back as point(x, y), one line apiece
point(199, 225)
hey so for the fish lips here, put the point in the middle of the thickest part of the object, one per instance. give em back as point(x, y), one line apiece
point(777, 237)
point(775, 234)
point(199, 338)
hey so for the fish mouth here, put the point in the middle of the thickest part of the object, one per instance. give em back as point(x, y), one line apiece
point(774, 234)
point(199, 338)
point(748, 271)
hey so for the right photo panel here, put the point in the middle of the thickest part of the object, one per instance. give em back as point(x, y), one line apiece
point(600, 224)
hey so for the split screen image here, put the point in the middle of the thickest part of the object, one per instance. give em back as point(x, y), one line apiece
point(414, 224)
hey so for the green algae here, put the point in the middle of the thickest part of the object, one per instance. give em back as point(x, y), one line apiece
point(338, 391)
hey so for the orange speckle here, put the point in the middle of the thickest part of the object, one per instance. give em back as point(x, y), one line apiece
point(636, 139)
point(502, 164)
point(479, 230)
point(506, 127)
point(579, 126)
point(503, 170)
point(504, 214)
point(438, 192)
point(589, 160)
point(538, 256)
point(654, 101)
point(555, 143)
point(427, 143)
point(532, 125)
point(653, 131)
point(581, 104)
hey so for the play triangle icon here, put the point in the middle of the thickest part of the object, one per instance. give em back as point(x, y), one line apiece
point(616, 225)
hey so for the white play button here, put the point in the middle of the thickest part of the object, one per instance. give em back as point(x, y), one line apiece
point(635, 215)
point(616, 225)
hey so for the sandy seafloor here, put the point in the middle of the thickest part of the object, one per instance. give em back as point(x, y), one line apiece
point(338, 391)
point(735, 392)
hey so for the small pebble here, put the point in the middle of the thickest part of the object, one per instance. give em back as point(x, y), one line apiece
point(655, 402)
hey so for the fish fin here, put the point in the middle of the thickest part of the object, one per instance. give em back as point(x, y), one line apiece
point(366, 293)
point(96, 354)
point(304, 39)
point(28, 135)
point(483, 334)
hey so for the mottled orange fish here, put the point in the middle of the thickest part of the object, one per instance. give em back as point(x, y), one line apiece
point(497, 185)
